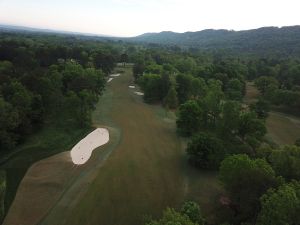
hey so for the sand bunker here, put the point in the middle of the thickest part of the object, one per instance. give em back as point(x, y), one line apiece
point(139, 93)
point(131, 86)
point(82, 151)
point(47, 180)
point(109, 80)
point(115, 75)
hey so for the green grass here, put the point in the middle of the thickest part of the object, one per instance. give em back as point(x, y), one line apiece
point(140, 172)
point(147, 171)
point(50, 140)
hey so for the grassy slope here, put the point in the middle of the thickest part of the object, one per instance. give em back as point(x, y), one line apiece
point(146, 172)
point(50, 140)
point(282, 128)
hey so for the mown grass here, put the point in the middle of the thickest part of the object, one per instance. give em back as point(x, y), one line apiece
point(51, 139)
point(147, 171)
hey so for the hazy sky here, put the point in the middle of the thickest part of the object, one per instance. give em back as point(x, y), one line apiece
point(133, 17)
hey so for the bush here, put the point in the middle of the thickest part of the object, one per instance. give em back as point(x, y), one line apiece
point(192, 210)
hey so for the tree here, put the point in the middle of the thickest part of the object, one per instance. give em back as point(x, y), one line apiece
point(138, 69)
point(211, 103)
point(189, 118)
point(281, 206)
point(193, 211)
point(104, 61)
point(250, 126)
point(235, 89)
point(246, 180)
point(2, 194)
point(9, 121)
point(229, 122)
point(151, 85)
point(263, 83)
point(170, 217)
point(198, 88)
point(124, 59)
point(297, 142)
point(205, 151)
point(184, 83)
point(286, 161)
point(261, 108)
point(21, 100)
point(171, 101)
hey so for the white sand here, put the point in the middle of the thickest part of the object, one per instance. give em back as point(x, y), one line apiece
point(139, 93)
point(109, 80)
point(115, 75)
point(131, 86)
point(82, 151)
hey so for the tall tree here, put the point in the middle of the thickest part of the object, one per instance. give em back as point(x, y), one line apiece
point(245, 181)
point(281, 206)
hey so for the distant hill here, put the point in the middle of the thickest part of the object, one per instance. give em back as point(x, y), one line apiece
point(40, 30)
point(285, 40)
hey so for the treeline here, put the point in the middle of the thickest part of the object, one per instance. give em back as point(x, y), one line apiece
point(48, 78)
point(278, 82)
point(227, 135)
point(264, 41)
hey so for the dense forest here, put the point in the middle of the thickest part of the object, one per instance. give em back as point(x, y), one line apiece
point(263, 41)
point(58, 78)
point(41, 76)
point(228, 135)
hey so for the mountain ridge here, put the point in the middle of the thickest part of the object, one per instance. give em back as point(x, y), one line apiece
point(284, 40)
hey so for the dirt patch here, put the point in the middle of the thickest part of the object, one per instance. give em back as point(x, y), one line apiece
point(251, 93)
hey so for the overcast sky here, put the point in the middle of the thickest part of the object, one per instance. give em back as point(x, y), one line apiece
point(134, 17)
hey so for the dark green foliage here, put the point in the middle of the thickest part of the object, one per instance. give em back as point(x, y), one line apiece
point(189, 118)
point(245, 181)
point(184, 87)
point(229, 122)
point(205, 151)
point(138, 69)
point(170, 216)
point(9, 121)
point(261, 108)
point(198, 88)
point(262, 41)
point(151, 84)
point(105, 62)
point(37, 74)
point(297, 142)
point(235, 89)
point(286, 97)
point(171, 101)
point(250, 126)
point(211, 104)
point(264, 84)
point(286, 161)
point(2, 193)
point(193, 211)
point(124, 58)
point(281, 206)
